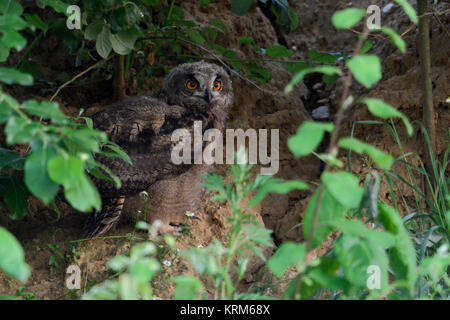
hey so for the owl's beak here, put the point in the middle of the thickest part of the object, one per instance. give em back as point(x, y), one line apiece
point(207, 96)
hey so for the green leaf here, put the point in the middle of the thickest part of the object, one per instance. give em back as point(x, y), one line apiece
point(219, 25)
point(383, 110)
point(278, 52)
point(13, 39)
point(278, 186)
point(103, 44)
point(12, 260)
point(151, 2)
point(258, 73)
point(93, 30)
point(196, 37)
point(57, 5)
point(396, 39)
point(328, 70)
point(357, 255)
point(322, 57)
point(36, 176)
point(366, 47)
point(356, 228)
point(240, 7)
point(10, 159)
point(330, 212)
point(20, 130)
point(15, 194)
point(36, 21)
point(384, 160)
point(12, 21)
point(4, 52)
point(187, 288)
point(65, 170)
point(144, 269)
point(10, 76)
point(344, 187)
point(287, 255)
point(409, 10)
point(46, 110)
point(347, 18)
point(83, 195)
point(366, 69)
point(11, 7)
point(403, 254)
point(308, 137)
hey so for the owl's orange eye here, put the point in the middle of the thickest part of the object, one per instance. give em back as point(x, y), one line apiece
point(217, 85)
point(192, 84)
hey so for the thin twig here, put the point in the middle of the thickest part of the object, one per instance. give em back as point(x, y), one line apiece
point(442, 25)
point(79, 75)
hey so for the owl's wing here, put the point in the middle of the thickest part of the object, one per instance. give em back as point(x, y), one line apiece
point(136, 122)
point(142, 126)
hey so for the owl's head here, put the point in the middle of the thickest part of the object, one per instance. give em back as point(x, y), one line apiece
point(199, 85)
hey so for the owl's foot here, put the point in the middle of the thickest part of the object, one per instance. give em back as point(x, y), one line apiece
point(100, 222)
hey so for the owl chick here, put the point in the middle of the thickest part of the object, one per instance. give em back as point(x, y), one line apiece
point(143, 127)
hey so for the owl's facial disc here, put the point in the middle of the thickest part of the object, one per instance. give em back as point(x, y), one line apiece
point(200, 87)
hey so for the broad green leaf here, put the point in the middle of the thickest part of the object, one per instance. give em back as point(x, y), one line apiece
point(83, 195)
point(344, 187)
point(356, 228)
point(278, 186)
point(287, 255)
point(36, 21)
point(187, 288)
point(103, 44)
point(196, 37)
point(4, 52)
point(357, 256)
point(151, 2)
point(278, 52)
point(93, 30)
point(409, 10)
point(36, 176)
point(46, 110)
point(384, 160)
point(21, 130)
point(258, 73)
point(366, 47)
point(396, 39)
point(11, 7)
point(10, 76)
point(15, 194)
point(219, 24)
point(347, 18)
point(12, 260)
point(244, 39)
point(240, 7)
point(13, 39)
point(321, 57)
point(328, 70)
point(12, 21)
point(57, 5)
point(366, 69)
point(144, 269)
point(308, 137)
point(329, 212)
point(65, 170)
point(383, 110)
point(10, 159)
point(403, 254)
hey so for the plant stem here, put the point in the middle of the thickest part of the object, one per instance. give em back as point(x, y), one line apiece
point(427, 89)
point(119, 78)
